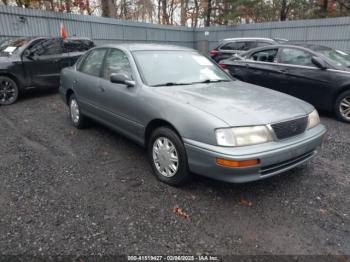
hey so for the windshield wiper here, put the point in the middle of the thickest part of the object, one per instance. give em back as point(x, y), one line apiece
point(207, 81)
point(172, 84)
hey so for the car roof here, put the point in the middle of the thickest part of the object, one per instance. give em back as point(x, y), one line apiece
point(149, 47)
point(248, 38)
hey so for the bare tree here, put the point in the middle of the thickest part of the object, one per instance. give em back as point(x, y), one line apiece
point(108, 8)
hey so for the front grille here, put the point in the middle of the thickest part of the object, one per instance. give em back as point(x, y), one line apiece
point(290, 128)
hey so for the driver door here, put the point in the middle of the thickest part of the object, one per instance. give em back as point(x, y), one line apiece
point(43, 66)
point(121, 102)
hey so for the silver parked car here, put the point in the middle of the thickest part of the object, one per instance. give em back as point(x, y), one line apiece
point(191, 116)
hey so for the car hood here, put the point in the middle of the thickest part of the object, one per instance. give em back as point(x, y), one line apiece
point(238, 103)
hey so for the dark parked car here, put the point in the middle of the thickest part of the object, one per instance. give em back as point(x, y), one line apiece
point(317, 74)
point(35, 62)
point(230, 46)
point(190, 114)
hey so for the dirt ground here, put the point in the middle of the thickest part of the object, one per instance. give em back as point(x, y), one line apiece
point(66, 191)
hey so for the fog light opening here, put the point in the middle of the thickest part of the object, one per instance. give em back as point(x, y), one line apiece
point(234, 163)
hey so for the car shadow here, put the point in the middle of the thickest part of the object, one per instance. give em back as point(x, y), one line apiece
point(37, 92)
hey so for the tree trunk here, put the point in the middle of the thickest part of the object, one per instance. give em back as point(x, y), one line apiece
point(325, 6)
point(284, 11)
point(196, 8)
point(165, 13)
point(108, 8)
point(183, 12)
point(208, 13)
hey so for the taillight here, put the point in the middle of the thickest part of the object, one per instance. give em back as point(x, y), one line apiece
point(213, 53)
point(222, 66)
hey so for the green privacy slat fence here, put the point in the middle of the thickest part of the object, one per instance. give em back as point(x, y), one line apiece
point(14, 21)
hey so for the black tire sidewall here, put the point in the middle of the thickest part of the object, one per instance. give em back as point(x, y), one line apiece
point(337, 106)
point(14, 85)
point(182, 175)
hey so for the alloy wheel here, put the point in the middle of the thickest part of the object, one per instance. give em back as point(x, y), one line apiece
point(344, 107)
point(8, 92)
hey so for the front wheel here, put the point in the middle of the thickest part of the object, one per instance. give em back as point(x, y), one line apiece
point(342, 107)
point(8, 91)
point(168, 157)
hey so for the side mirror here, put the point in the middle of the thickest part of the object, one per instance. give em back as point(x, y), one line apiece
point(319, 62)
point(28, 54)
point(122, 79)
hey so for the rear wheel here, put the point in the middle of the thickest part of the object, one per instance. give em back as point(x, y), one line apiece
point(8, 91)
point(168, 157)
point(342, 107)
point(78, 119)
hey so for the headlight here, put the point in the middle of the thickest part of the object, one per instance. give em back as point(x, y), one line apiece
point(314, 119)
point(243, 136)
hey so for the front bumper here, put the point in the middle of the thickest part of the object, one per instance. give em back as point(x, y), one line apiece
point(275, 157)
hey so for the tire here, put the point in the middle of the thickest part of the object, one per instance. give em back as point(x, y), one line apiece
point(342, 107)
point(171, 172)
point(8, 91)
point(78, 119)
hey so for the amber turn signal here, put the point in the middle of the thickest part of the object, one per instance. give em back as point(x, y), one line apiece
point(233, 163)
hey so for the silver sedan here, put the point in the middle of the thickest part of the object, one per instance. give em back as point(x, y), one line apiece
point(190, 115)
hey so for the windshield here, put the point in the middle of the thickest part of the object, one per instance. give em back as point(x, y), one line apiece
point(10, 47)
point(335, 57)
point(161, 68)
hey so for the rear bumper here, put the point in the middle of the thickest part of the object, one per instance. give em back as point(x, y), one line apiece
point(274, 157)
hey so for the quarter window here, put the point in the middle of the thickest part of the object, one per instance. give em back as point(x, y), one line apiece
point(93, 62)
point(296, 57)
point(116, 63)
point(265, 56)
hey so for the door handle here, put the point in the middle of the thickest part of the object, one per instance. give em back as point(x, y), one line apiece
point(101, 89)
point(56, 60)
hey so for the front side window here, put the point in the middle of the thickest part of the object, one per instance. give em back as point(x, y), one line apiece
point(44, 47)
point(296, 57)
point(335, 57)
point(116, 63)
point(265, 56)
point(177, 67)
point(92, 64)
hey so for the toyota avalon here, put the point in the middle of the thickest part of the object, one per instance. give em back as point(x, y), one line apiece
point(190, 115)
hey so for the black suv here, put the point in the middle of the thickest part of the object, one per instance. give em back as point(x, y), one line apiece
point(36, 62)
point(230, 46)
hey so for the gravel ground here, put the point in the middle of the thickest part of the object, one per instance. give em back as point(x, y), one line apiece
point(66, 191)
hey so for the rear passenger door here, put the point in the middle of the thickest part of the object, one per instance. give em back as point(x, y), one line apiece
point(262, 68)
point(87, 84)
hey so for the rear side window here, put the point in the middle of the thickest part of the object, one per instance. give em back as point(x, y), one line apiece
point(296, 57)
point(265, 56)
point(116, 63)
point(240, 46)
point(92, 64)
point(45, 47)
point(77, 45)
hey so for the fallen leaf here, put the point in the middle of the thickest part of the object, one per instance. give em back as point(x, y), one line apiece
point(178, 211)
point(245, 202)
point(72, 132)
point(323, 211)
